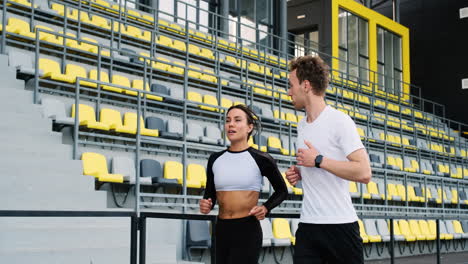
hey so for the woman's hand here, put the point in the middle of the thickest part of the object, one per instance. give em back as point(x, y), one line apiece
point(259, 212)
point(205, 206)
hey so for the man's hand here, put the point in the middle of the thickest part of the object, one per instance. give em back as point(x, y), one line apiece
point(293, 175)
point(259, 212)
point(205, 205)
point(306, 157)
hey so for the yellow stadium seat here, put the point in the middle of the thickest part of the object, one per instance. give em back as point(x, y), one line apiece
point(362, 232)
point(282, 230)
point(433, 230)
point(196, 176)
point(174, 170)
point(226, 103)
point(405, 230)
point(391, 191)
point(209, 76)
point(195, 97)
point(93, 48)
point(194, 49)
point(204, 52)
point(161, 64)
point(424, 227)
point(46, 36)
point(114, 120)
point(83, 16)
point(353, 188)
point(138, 84)
point(457, 227)
point(165, 41)
point(118, 80)
point(93, 75)
point(401, 191)
point(274, 145)
point(195, 73)
point(95, 164)
point(416, 230)
point(373, 190)
point(51, 69)
point(211, 100)
point(130, 121)
point(412, 197)
point(179, 45)
point(24, 2)
point(100, 22)
point(20, 27)
point(87, 117)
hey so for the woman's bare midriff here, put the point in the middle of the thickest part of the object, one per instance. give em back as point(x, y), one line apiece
point(236, 204)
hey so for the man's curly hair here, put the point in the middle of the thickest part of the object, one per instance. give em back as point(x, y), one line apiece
point(313, 69)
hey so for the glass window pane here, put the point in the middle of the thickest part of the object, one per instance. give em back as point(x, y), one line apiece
point(232, 28)
point(342, 24)
point(380, 45)
point(363, 37)
point(397, 52)
point(166, 10)
point(380, 77)
point(343, 56)
point(363, 70)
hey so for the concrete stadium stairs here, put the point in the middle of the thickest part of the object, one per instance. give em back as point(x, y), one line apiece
point(38, 173)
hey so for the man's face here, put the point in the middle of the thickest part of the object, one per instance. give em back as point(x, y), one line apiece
point(296, 91)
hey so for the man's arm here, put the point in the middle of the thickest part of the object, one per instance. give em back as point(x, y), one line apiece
point(357, 169)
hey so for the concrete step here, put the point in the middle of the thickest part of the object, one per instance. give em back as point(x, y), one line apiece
point(18, 95)
point(28, 119)
point(64, 200)
point(30, 138)
point(27, 130)
point(37, 151)
point(53, 166)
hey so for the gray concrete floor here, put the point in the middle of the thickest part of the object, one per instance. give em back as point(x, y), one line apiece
point(451, 258)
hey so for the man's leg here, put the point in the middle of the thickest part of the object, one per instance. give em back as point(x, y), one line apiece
point(344, 244)
point(307, 250)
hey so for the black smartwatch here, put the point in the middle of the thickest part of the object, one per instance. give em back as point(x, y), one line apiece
point(318, 160)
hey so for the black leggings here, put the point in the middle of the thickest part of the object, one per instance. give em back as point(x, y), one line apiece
point(238, 240)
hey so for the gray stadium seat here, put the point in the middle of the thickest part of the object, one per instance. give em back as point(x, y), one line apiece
point(371, 228)
point(294, 226)
point(24, 64)
point(450, 229)
point(448, 193)
point(151, 170)
point(384, 232)
point(212, 135)
point(55, 110)
point(160, 89)
point(197, 236)
point(267, 232)
point(194, 132)
point(257, 110)
point(126, 167)
point(175, 128)
point(464, 224)
point(267, 114)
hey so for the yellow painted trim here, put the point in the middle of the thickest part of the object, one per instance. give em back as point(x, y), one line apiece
point(375, 20)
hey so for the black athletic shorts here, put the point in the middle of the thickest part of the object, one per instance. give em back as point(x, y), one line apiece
point(328, 243)
point(238, 241)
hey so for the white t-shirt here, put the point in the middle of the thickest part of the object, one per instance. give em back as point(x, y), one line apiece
point(326, 196)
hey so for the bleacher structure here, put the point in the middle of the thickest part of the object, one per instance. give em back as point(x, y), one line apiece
point(140, 101)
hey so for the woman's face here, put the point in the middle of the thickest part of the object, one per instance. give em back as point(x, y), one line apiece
point(236, 126)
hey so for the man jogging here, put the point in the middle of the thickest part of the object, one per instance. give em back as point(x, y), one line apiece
point(330, 154)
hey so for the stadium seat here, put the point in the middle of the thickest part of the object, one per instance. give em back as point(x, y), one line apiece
point(194, 132)
point(373, 190)
point(406, 231)
point(371, 231)
point(174, 170)
point(130, 122)
point(457, 227)
point(401, 190)
point(267, 232)
point(93, 75)
point(212, 135)
point(281, 230)
point(95, 164)
point(23, 62)
point(274, 145)
point(120, 81)
point(196, 176)
point(87, 118)
point(46, 36)
point(138, 84)
point(260, 143)
point(450, 230)
point(55, 110)
point(416, 230)
point(152, 174)
point(443, 232)
point(392, 193)
point(209, 100)
point(353, 190)
point(197, 236)
point(52, 70)
point(113, 119)
point(425, 230)
point(384, 232)
point(362, 232)
point(125, 166)
point(20, 27)
point(294, 227)
point(412, 196)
